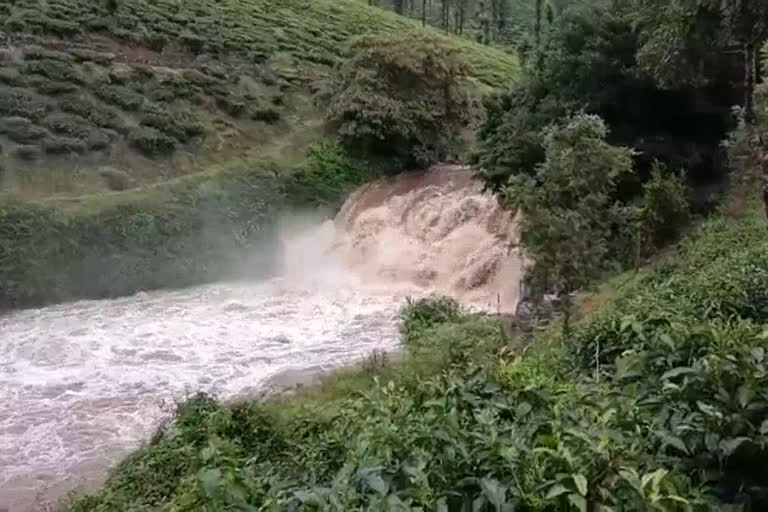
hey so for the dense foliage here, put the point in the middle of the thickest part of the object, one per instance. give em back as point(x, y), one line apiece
point(655, 403)
point(568, 210)
point(591, 63)
point(401, 98)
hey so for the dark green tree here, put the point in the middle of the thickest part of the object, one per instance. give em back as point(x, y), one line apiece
point(402, 99)
point(567, 207)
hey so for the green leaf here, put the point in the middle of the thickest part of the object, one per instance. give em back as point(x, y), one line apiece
point(674, 441)
point(555, 491)
point(578, 501)
point(729, 446)
point(209, 479)
point(494, 491)
point(632, 478)
point(581, 483)
point(523, 409)
point(744, 395)
point(676, 372)
point(764, 427)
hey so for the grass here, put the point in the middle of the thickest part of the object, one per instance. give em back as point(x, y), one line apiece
point(207, 226)
point(653, 402)
point(154, 62)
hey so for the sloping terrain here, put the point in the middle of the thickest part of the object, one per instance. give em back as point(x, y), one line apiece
point(158, 89)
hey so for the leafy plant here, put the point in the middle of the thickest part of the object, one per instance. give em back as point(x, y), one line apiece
point(567, 208)
point(401, 99)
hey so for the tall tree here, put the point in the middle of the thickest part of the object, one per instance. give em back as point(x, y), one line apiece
point(567, 208)
point(746, 21)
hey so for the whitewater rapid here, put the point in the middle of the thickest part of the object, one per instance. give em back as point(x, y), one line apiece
point(82, 384)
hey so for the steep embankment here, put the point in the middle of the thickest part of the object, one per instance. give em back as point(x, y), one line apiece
point(155, 90)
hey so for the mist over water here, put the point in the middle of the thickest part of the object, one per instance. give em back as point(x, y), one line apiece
point(81, 384)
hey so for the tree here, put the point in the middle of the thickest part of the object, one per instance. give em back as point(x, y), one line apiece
point(567, 208)
point(402, 99)
point(746, 21)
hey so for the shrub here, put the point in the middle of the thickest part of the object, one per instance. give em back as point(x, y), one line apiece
point(422, 314)
point(325, 178)
point(21, 102)
point(568, 213)
point(121, 96)
point(232, 105)
point(182, 125)
point(40, 53)
point(27, 152)
point(401, 98)
point(11, 76)
point(55, 144)
point(68, 124)
point(49, 87)
point(663, 210)
point(55, 70)
point(193, 42)
point(94, 112)
point(116, 179)
point(21, 130)
point(267, 115)
point(98, 139)
point(85, 54)
point(152, 142)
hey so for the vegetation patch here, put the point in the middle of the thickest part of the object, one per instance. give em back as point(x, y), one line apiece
point(640, 407)
point(383, 101)
point(214, 225)
point(97, 114)
point(21, 102)
point(56, 70)
point(152, 142)
point(122, 96)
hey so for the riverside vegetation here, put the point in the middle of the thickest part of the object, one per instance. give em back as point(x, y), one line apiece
point(173, 77)
point(656, 402)
point(615, 136)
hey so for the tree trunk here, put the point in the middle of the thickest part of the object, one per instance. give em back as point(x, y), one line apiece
point(399, 6)
point(423, 12)
point(565, 304)
point(749, 82)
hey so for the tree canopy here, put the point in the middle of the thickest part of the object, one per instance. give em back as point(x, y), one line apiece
point(400, 98)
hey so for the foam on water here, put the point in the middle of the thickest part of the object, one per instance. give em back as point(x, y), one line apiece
point(81, 384)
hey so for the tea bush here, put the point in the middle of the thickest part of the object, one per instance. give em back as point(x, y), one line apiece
point(655, 403)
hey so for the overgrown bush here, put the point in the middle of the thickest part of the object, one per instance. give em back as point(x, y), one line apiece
point(21, 130)
point(55, 144)
point(662, 212)
point(96, 113)
point(152, 142)
point(56, 70)
point(591, 64)
point(21, 102)
point(181, 125)
point(122, 96)
point(656, 403)
point(400, 98)
point(115, 179)
point(568, 211)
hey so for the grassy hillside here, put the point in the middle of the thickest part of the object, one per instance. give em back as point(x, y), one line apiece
point(154, 144)
point(161, 88)
point(654, 402)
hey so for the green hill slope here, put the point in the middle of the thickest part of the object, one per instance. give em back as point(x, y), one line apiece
point(156, 145)
point(162, 88)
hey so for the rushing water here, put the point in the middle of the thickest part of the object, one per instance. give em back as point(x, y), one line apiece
point(83, 383)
